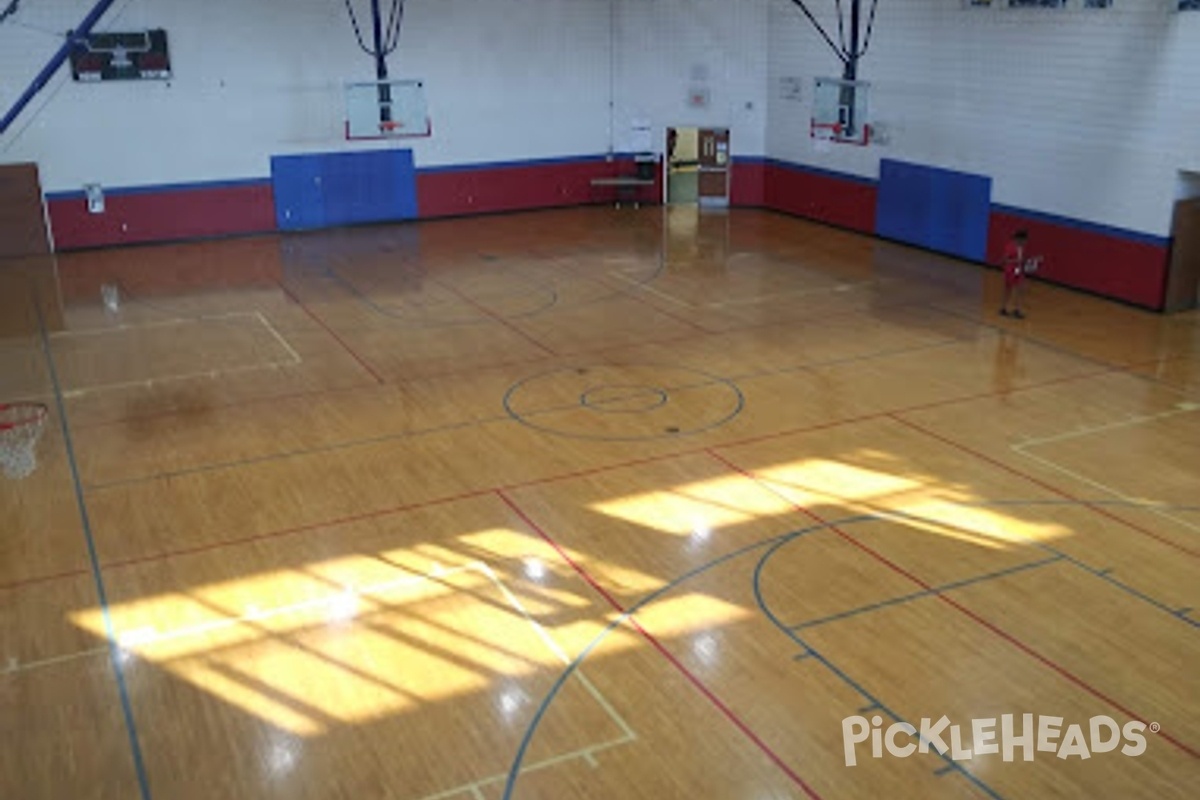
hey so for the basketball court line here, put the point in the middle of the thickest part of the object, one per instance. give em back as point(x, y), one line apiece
point(401, 313)
point(474, 370)
point(562, 476)
point(690, 676)
point(15, 667)
point(357, 358)
point(174, 321)
point(632, 295)
point(1054, 557)
point(555, 478)
point(1125, 368)
point(971, 615)
point(97, 572)
point(874, 703)
point(807, 652)
point(295, 358)
point(334, 601)
point(1061, 493)
point(402, 435)
point(717, 305)
point(1022, 448)
point(930, 592)
point(496, 318)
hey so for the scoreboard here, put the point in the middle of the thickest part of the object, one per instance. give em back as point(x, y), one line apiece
point(138, 55)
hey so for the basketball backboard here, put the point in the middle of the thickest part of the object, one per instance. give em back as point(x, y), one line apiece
point(840, 111)
point(387, 109)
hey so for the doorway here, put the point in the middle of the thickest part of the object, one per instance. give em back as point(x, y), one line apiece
point(697, 166)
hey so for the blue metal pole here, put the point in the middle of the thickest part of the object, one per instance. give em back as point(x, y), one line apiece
point(55, 62)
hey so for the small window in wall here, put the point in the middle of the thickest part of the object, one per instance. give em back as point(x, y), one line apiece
point(1189, 5)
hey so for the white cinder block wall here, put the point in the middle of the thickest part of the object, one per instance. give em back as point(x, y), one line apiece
point(1083, 113)
point(667, 48)
point(507, 80)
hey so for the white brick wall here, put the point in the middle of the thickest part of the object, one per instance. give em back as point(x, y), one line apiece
point(665, 48)
point(1082, 113)
point(1087, 114)
point(506, 80)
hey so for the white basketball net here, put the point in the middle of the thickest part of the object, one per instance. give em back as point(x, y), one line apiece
point(20, 428)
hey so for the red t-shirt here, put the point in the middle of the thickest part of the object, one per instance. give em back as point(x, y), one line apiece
point(1014, 262)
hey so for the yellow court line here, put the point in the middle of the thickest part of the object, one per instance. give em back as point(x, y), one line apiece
point(293, 360)
point(1180, 408)
point(145, 636)
point(14, 666)
point(840, 287)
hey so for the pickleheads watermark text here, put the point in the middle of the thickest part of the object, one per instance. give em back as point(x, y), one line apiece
point(1007, 736)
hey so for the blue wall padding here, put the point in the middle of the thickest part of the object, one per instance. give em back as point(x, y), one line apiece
point(320, 190)
point(934, 208)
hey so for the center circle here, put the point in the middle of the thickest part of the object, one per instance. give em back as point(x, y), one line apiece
point(623, 399)
point(624, 402)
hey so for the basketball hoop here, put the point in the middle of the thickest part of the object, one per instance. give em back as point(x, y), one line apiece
point(20, 428)
point(836, 132)
point(390, 126)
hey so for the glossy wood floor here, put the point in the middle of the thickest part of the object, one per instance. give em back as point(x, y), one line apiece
point(591, 504)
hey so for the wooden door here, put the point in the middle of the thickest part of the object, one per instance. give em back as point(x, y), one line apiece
point(1183, 277)
point(714, 166)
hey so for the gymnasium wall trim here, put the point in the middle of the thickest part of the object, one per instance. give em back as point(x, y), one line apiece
point(1108, 261)
point(1117, 263)
point(207, 209)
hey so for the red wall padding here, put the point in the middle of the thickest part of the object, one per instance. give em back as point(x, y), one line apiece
point(453, 192)
point(1121, 267)
point(1114, 266)
point(749, 183)
point(170, 214)
point(844, 202)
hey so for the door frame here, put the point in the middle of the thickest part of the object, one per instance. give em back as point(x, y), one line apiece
point(722, 202)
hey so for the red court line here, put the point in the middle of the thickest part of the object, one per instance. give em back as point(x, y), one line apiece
point(496, 317)
point(943, 597)
point(550, 479)
point(473, 370)
point(657, 645)
point(1043, 484)
point(311, 526)
point(632, 295)
point(582, 473)
point(26, 582)
point(274, 398)
point(361, 361)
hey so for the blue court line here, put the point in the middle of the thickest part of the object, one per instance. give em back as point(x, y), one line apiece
point(873, 701)
point(1056, 555)
point(928, 592)
point(1106, 576)
point(514, 771)
point(109, 632)
point(806, 651)
point(420, 319)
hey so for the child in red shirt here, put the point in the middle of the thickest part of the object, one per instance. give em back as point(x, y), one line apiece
point(1014, 274)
